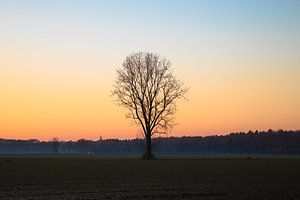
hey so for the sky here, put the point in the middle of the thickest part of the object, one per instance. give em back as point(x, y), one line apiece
point(58, 61)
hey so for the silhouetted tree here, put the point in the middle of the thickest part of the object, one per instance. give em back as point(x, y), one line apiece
point(55, 144)
point(147, 87)
point(282, 142)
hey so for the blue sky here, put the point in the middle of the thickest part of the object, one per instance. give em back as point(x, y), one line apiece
point(150, 24)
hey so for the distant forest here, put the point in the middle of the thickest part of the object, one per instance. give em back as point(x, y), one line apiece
point(258, 142)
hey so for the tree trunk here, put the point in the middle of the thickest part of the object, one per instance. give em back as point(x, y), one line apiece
point(148, 152)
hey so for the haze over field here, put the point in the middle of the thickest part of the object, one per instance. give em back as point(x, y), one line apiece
point(58, 62)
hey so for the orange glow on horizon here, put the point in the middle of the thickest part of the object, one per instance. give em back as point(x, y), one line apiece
point(44, 105)
point(241, 61)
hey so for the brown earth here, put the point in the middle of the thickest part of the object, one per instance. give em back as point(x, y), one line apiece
point(104, 178)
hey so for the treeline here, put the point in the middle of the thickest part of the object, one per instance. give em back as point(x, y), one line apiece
point(263, 142)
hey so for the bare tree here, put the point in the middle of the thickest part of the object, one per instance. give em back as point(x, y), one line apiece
point(55, 144)
point(147, 87)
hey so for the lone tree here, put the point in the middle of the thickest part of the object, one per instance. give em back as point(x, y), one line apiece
point(55, 145)
point(147, 87)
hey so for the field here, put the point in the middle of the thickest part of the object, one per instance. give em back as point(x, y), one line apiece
point(112, 178)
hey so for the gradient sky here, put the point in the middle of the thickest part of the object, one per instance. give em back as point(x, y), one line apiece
point(58, 61)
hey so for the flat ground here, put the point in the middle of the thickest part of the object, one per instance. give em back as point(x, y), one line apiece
point(104, 178)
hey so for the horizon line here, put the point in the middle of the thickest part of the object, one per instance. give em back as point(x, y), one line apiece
point(160, 136)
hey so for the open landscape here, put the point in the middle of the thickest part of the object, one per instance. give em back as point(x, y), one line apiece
point(82, 177)
point(137, 99)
